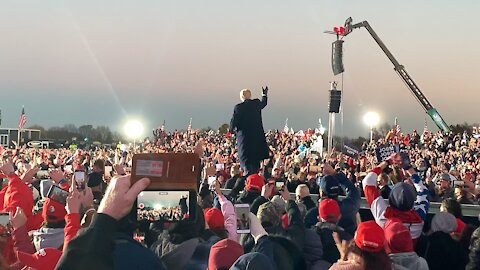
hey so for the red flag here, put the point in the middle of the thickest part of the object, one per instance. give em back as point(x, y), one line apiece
point(23, 119)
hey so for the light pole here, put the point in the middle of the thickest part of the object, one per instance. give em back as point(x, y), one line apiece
point(321, 129)
point(133, 129)
point(371, 119)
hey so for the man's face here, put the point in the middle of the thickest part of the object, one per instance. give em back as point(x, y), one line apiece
point(444, 184)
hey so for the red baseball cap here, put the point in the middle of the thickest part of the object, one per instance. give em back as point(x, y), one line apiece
point(223, 254)
point(214, 218)
point(397, 237)
point(369, 236)
point(254, 181)
point(53, 211)
point(329, 210)
point(44, 259)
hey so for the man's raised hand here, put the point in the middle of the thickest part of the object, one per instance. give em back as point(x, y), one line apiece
point(265, 90)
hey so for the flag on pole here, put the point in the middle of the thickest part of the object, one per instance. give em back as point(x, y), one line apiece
point(397, 126)
point(285, 129)
point(425, 128)
point(23, 119)
point(189, 128)
point(162, 128)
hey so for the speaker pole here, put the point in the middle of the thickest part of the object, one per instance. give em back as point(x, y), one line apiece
point(333, 108)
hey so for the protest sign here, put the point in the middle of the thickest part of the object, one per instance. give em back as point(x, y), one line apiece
point(383, 151)
point(350, 151)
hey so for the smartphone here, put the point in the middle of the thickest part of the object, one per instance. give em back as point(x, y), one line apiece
point(57, 194)
point(166, 205)
point(43, 174)
point(220, 167)
point(243, 219)
point(108, 171)
point(279, 185)
point(4, 218)
point(211, 179)
point(80, 180)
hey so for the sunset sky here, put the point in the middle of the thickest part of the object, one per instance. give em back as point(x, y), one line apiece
point(102, 62)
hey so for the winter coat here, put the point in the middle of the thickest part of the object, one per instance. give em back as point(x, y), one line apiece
point(190, 255)
point(130, 254)
point(319, 243)
point(247, 120)
point(443, 252)
point(348, 207)
point(248, 196)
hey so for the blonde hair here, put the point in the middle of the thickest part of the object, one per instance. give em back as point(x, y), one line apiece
point(245, 94)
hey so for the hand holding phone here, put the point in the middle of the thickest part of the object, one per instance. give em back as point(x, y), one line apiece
point(80, 180)
point(4, 218)
point(58, 194)
point(243, 218)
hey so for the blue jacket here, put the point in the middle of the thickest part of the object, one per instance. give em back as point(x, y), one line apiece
point(348, 207)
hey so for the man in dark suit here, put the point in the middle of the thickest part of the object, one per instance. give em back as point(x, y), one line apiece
point(247, 119)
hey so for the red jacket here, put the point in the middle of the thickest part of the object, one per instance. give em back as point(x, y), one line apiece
point(71, 228)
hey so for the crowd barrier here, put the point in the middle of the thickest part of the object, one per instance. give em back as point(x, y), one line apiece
point(470, 212)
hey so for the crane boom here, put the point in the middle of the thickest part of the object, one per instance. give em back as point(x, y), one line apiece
point(400, 69)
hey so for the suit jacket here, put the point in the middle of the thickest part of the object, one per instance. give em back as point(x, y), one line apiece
point(247, 120)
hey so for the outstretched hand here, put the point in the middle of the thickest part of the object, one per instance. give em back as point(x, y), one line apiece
point(265, 90)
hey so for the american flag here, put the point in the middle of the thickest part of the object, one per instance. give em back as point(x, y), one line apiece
point(189, 128)
point(285, 129)
point(23, 119)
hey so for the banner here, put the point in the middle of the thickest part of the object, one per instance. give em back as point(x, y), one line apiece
point(350, 151)
point(384, 151)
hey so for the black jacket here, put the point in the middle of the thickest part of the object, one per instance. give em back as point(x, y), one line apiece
point(232, 181)
point(247, 120)
point(319, 243)
point(442, 252)
point(308, 202)
point(92, 249)
point(248, 197)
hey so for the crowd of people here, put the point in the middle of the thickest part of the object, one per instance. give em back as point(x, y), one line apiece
point(95, 228)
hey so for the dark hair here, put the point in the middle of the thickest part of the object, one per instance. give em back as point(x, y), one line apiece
point(466, 236)
point(100, 163)
point(453, 207)
point(222, 233)
point(373, 260)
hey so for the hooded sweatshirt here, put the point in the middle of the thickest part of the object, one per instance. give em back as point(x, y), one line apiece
point(48, 237)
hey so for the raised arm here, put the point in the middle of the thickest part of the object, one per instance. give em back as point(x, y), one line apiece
point(422, 204)
point(264, 97)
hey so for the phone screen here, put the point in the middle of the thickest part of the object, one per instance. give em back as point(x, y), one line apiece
point(57, 194)
point(211, 179)
point(164, 205)
point(279, 185)
point(80, 180)
point(43, 174)
point(4, 218)
point(243, 220)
